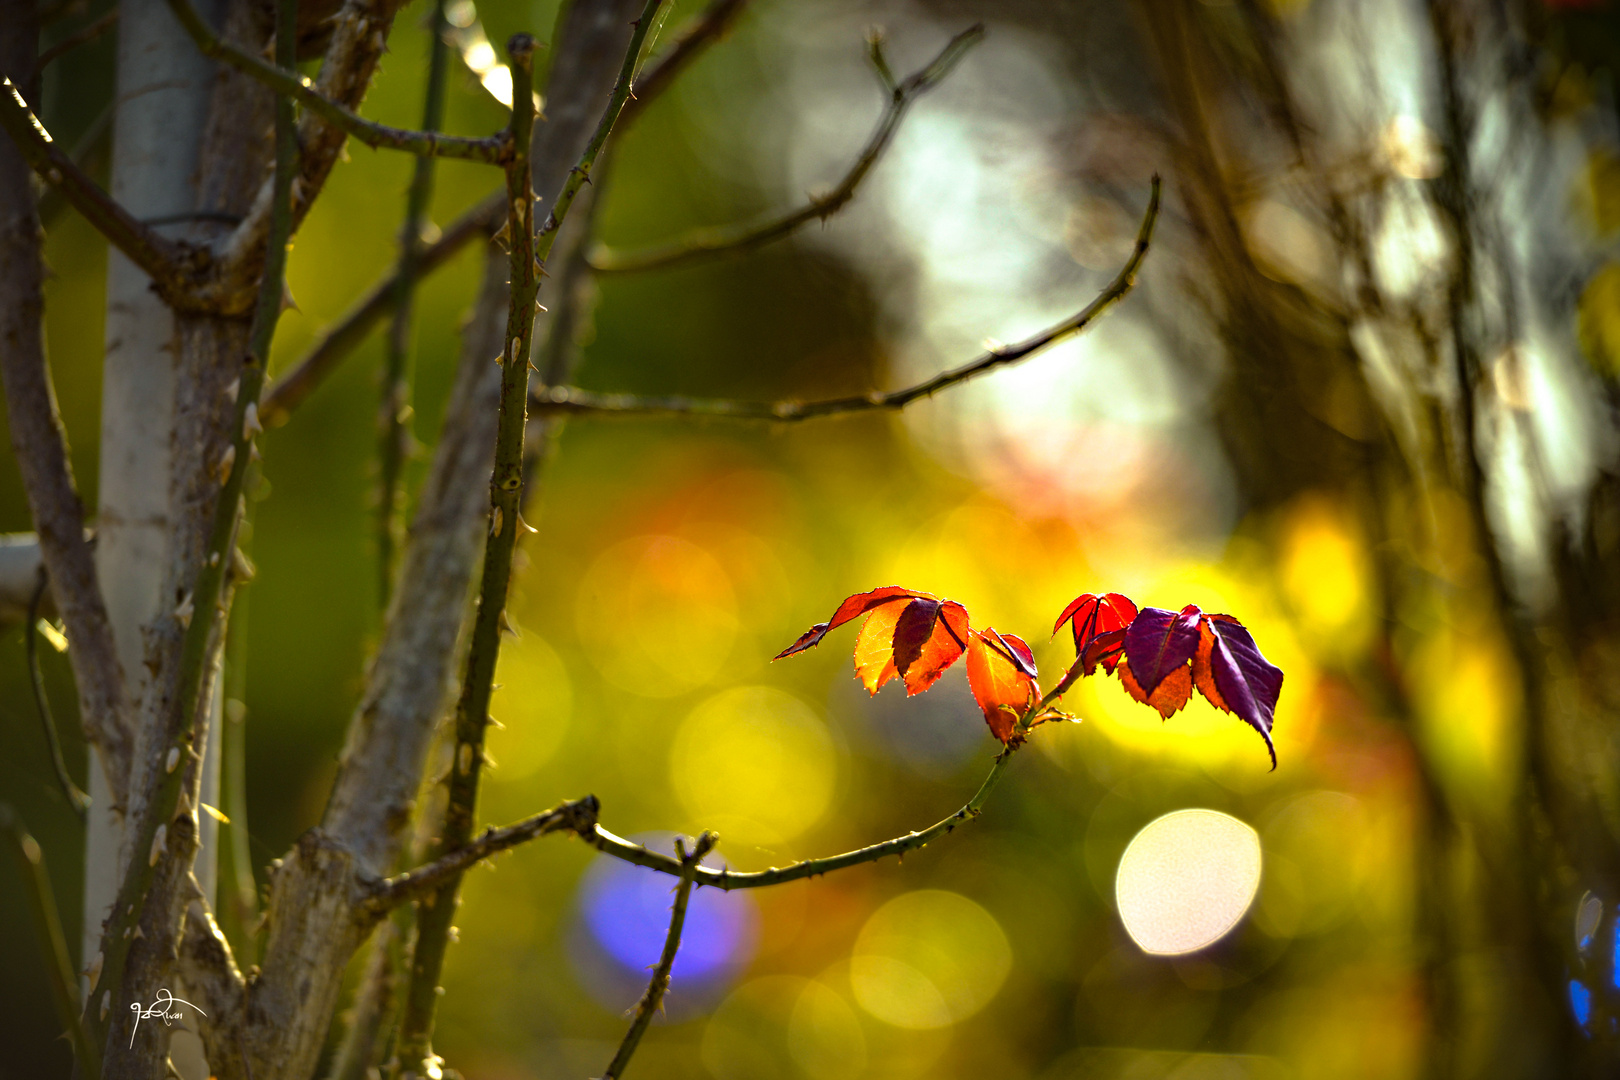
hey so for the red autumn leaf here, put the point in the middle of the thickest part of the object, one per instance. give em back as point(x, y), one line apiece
point(1091, 614)
point(1158, 643)
point(910, 634)
point(1107, 649)
point(1230, 671)
point(1001, 674)
point(852, 608)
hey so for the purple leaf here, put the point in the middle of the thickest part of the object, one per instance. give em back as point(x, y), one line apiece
point(912, 631)
point(1248, 683)
point(1159, 641)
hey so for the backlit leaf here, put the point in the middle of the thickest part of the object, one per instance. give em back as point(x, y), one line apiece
point(1172, 693)
point(852, 608)
point(1001, 674)
point(1091, 614)
point(1230, 671)
point(1159, 642)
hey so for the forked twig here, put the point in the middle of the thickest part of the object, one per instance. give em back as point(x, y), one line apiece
point(706, 243)
point(658, 984)
point(288, 83)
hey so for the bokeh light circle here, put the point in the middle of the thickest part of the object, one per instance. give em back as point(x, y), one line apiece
point(756, 763)
point(625, 910)
point(928, 959)
point(533, 702)
point(1186, 879)
point(657, 615)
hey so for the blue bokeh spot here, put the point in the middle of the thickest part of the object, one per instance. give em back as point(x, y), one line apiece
point(1580, 999)
point(626, 908)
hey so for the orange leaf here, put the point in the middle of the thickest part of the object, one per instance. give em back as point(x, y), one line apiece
point(948, 634)
point(874, 646)
point(1000, 673)
point(1172, 693)
point(1203, 675)
point(853, 607)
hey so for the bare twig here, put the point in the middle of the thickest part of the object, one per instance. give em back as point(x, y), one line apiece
point(658, 984)
point(393, 419)
point(578, 816)
point(705, 243)
point(619, 848)
point(42, 702)
point(167, 262)
point(529, 250)
point(570, 400)
point(58, 968)
point(156, 844)
point(39, 441)
point(74, 40)
point(288, 83)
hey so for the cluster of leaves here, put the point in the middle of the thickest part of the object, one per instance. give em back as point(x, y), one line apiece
point(1160, 656)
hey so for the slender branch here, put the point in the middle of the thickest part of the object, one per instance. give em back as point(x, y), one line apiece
point(433, 923)
point(58, 968)
point(39, 441)
point(153, 840)
point(569, 400)
point(393, 420)
point(335, 345)
point(42, 702)
point(709, 26)
point(529, 250)
point(704, 243)
point(619, 848)
point(352, 328)
point(167, 262)
point(578, 816)
point(653, 999)
point(288, 83)
point(74, 40)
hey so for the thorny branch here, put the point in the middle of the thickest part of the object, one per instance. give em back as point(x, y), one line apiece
point(578, 816)
point(658, 984)
point(569, 400)
point(705, 243)
point(288, 83)
point(78, 800)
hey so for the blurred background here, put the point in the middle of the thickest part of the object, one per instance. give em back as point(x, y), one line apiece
point(1364, 398)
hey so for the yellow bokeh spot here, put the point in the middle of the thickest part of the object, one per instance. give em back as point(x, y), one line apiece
point(824, 1034)
point(1469, 704)
point(1325, 576)
point(754, 763)
point(928, 959)
point(657, 615)
point(533, 704)
point(1598, 322)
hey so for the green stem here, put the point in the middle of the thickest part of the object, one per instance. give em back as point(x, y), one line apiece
point(393, 421)
point(208, 595)
point(239, 893)
point(42, 703)
point(284, 79)
point(528, 254)
point(658, 984)
point(620, 848)
point(472, 711)
point(58, 968)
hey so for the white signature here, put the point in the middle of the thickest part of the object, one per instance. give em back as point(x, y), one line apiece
point(160, 1008)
